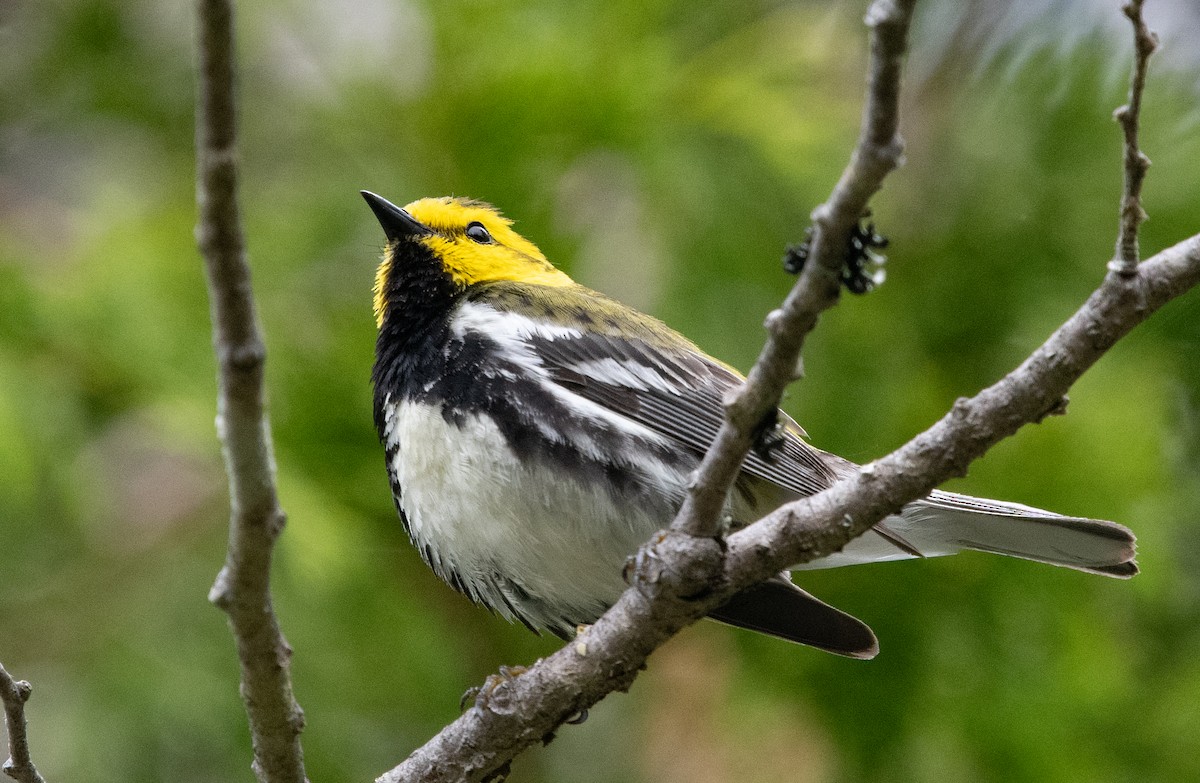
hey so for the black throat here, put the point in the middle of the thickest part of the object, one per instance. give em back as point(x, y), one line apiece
point(418, 299)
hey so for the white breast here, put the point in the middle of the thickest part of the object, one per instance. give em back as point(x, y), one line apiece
point(484, 514)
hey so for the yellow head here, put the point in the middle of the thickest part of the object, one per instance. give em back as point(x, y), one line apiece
point(471, 240)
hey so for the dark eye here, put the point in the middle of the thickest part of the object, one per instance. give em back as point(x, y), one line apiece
point(477, 233)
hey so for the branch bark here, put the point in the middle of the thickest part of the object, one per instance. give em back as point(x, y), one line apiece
point(878, 152)
point(685, 572)
point(242, 588)
point(14, 694)
point(515, 713)
point(815, 526)
point(1136, 162)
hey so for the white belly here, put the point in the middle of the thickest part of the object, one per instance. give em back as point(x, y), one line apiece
point(484, 515)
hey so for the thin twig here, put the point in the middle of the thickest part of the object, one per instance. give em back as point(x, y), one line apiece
point(1136, 162)
point(878, 152)
point(14, 694)
point(242, 588)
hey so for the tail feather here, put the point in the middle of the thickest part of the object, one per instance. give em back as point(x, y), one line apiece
point(946, 522)
point(779, 608)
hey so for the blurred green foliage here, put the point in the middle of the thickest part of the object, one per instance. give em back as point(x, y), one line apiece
point(665, 153)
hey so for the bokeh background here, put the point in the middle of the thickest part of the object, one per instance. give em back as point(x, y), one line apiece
point(666, 153)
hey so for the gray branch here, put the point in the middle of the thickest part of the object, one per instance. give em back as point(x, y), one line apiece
point(878, 152)
point(14, 694)
point(1136, 162)
point(242, 588)
point(515, 713)
point(816, 526)
point(685, 572)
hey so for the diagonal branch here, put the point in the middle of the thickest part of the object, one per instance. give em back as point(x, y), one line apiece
point(242, 588)
point(878, 152)
point(681, 576)
point(519, 712)
point(809, 528)
point(14, 694)
point(1136, 162)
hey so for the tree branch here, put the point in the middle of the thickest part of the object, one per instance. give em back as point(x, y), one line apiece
point(242, 588)
point(813, 527)
point(1136, 162)
point(879, 150)
point(514, 713)
point(14, 694)
point(681, 575)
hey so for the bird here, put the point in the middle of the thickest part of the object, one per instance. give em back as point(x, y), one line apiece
point(537, 432)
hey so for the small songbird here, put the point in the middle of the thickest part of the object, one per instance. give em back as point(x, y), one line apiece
point(537, 432)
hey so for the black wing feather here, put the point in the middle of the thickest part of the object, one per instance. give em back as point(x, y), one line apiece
point(692, 411)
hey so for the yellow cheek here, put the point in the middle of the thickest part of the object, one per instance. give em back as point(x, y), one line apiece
point(468, 264)
point(381, 275)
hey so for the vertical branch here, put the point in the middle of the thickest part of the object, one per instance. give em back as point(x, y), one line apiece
point(879, 150)
point(14, 694)
point(1136, 163)
point(242, 589)
point(512, 713)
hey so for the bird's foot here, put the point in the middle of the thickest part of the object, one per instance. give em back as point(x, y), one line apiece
point(769, 437)
point(482, 694)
